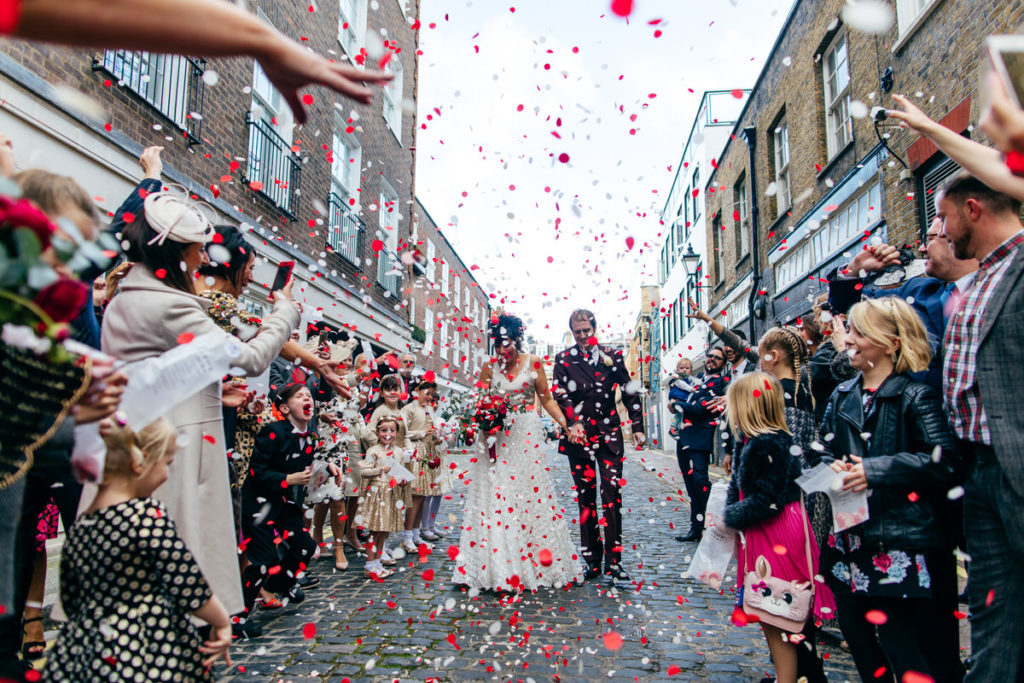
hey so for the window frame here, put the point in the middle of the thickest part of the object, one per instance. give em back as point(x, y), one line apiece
point(741, 207)
point(781, 166)
point(838, 119)
point(392, 96)
point(353, 38)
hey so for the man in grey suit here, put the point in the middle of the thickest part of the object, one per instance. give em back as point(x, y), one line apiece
point(984, 368)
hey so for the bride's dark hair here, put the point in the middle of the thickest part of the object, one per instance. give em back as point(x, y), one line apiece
point(510, 327)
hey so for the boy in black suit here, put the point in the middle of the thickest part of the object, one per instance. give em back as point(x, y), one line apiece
point(272, 498)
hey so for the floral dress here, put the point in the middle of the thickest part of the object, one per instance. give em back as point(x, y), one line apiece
point(337, 434)
point(847, 560)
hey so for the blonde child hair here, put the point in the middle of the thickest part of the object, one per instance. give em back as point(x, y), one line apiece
point(890, 319)
point(787, 341)
point(126, 448)
point(756, 406)
point(385, 418)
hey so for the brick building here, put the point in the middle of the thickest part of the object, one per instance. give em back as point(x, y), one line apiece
point(640, 354)
point(822, 182)
point(334, 195)
point(449, 310)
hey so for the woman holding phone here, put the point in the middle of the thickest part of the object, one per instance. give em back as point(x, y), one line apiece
point(158, 309)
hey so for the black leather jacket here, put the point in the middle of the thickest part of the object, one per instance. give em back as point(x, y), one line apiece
point(908, 480)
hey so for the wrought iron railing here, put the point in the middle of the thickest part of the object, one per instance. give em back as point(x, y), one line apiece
point(171, 84)
point(273, 169)
point(389, 271)
point(343, 227)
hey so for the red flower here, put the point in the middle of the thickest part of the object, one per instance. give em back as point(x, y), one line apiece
point(882, 563)
point(63, 299)
point(24, 214)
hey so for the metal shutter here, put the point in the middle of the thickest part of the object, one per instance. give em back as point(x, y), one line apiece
point(941, 171)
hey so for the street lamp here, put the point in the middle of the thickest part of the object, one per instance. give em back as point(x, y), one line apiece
point(691, 261)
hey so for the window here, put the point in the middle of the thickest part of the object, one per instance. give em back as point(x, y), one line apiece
point(741, 214)
point(351, 25)
point(458, 293)
point(171, 84)
point(931, 181)
point(836, 72)
point(780, 147)
point(431, 262)
point(347, 159)
point(909, 13)
point(272, 168)
point(698, 200)
point(388, 269)
point(428, 327)
point(716, 241)
point(444, 279)
point(392, 95)
point(404, 6)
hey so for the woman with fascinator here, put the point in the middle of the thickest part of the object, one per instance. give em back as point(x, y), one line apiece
point(514, 532)
point(157, 309)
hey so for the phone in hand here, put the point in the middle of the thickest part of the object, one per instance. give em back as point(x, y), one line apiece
point(284, 274)
point(1006, 53)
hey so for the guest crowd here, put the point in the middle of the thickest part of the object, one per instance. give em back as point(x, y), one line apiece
point(215, 511)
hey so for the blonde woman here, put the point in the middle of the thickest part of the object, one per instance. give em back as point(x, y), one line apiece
point(764, 503)
point(888, 433)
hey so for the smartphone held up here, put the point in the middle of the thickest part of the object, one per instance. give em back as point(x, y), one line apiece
point(283, 276)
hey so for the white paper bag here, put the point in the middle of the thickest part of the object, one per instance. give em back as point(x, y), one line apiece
point(848, 508)
point(399, 473)
point(718, 544)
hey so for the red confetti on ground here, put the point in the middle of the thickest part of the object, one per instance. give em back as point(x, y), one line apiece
point(673, 670)
point(309, 631)
point(563, 157)
point(545, 557)
point(185, 337)
point(612, 640)
point(623, 8)
point(255, 185)
point(876, 617)
point(428, 574)
point(451, 641)
point(392, 604)
point(453, 552)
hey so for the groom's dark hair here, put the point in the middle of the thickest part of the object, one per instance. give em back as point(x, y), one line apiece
point(582, 314)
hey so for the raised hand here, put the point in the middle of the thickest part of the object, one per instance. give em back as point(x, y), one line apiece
point(872, 259)
point(696, 313)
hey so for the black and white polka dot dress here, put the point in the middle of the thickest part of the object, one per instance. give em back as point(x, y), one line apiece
point(128, 585)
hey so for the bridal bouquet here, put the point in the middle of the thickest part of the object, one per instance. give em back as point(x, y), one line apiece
point(489, 417)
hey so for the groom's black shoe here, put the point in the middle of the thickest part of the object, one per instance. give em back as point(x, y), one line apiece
point(694, 535)
point(591, 572)
point(617, 573)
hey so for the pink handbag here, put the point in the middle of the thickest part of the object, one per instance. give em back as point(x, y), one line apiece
point(782, 603)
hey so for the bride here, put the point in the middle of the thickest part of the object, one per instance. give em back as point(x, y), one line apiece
point(514, 530)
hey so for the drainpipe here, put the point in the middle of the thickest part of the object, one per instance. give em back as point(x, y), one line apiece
point(750, 137)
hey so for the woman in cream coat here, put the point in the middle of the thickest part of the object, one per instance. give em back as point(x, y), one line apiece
point(149, 317)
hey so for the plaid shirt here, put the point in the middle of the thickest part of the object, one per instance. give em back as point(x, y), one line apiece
point(963, 337)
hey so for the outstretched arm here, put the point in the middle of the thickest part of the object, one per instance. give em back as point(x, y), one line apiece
point(983, 162)
point(201, 27)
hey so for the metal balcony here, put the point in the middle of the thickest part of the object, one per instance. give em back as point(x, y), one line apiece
point(343, 227)
point(171, 84)
point(273, 169)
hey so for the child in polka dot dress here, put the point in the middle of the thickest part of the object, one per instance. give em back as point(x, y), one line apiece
point(128, 583)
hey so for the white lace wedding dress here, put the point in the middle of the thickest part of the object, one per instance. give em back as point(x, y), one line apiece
point(514, 529)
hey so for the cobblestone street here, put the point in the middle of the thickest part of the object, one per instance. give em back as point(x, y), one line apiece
point(412, 628)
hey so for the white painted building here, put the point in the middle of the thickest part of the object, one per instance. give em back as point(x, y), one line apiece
point(685, 233)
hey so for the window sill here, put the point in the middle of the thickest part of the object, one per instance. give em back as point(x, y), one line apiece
point(919, 21)
point(742, 262)
point(827, 168)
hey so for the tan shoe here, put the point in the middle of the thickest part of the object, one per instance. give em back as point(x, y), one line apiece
point(340, 561)
point(379, 574)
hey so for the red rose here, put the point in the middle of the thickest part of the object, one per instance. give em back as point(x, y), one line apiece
point(24, 214)
point(882, 562)
point(63, 299)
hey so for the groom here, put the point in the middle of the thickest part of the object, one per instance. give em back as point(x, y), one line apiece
point(585, 378)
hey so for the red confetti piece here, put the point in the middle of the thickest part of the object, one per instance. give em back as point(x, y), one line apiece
point(307, 99)
point(916, 677)
point(453, 552)
point(255, 185)
point(377, 245)
point(234, 166)
point(209, 438)
point(428, 574)
point(876, 617)
point(451, 641)
point(757, 393)
point(563, 157)
point(185, 337)
point(912, 496)
point(309, 631)
point(673, 670)
point(545, 557)
point(629, 243)
point(160, 273)
point(612, 640)
point(623, 8)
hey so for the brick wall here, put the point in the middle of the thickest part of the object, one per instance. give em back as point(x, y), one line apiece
point(225, 135)
point(940, 60)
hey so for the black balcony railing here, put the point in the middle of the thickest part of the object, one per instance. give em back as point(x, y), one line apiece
point(171, 84)
point(343, 227)
point(389, 271)
point(273, 169)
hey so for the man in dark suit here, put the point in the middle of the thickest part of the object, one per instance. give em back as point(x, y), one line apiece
point(586, 377)
point(984, 367)
point(933, 295)
point(697, 438)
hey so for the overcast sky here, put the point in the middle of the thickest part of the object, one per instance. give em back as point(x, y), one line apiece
point(508, 89)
